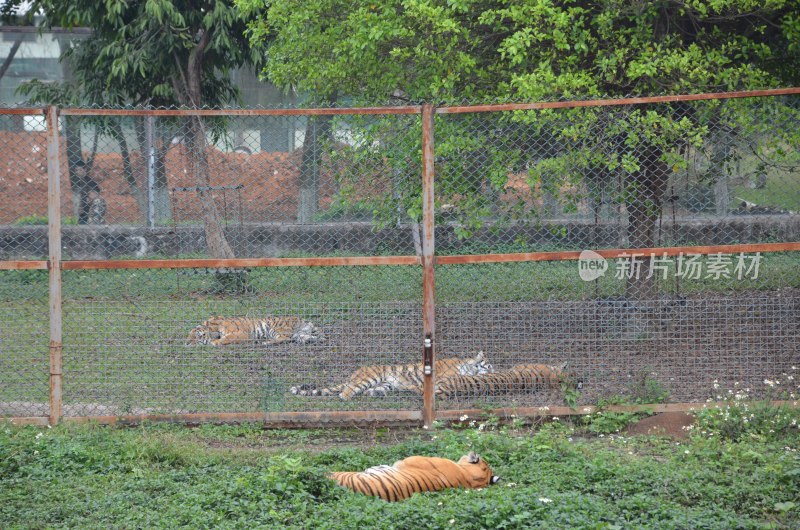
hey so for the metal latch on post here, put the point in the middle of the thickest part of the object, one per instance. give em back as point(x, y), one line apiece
point(427, 356)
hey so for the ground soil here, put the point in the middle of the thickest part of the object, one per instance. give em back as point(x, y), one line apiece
point(673, 424)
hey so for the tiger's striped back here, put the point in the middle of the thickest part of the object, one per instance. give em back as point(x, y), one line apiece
point(520, 378)
point(379, 380)
point(416, 474)
point(219, 331)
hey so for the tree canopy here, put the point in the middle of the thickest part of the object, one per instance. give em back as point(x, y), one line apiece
point(378, 51)
point(152, 53)
point(532, 49)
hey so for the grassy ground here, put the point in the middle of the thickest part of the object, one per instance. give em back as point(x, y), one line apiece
point(501, 282)
point(729, 474)
point(782, 191)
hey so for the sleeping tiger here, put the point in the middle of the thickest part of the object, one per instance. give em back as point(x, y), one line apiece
point(379, 380)
point(220, 331)
point(416, 474)
point(520, 378)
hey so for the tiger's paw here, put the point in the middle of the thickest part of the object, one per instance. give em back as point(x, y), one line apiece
point(304, 390)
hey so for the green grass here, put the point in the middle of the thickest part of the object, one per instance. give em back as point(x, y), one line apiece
point(781, 191)
point(161, 476)
point(557, 280)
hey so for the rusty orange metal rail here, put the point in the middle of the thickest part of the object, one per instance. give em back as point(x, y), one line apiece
point(417, 109)
point(616, 102)
point(619, 253)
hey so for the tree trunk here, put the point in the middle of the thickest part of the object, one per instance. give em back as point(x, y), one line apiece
point(10, 57)
point(188, 90)
point(646, 189)
point(318, 131)
point(127, 170)
point(80, 182)
point(218, 245)
point(721, 151)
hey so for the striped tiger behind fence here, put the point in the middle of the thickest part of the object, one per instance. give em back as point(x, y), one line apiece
point(221, 331)
point(520, 378)
point(416, 474)
point(379, 380)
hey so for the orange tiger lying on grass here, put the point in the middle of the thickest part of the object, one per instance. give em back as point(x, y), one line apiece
point(416, 474)
point(221, 331)
point(520, 378)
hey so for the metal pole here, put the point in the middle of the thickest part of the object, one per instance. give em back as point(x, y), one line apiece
point(428, 285)
point(54, 262)
point(151, 170)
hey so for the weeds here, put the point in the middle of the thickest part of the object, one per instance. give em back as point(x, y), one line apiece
point(165, 476)
point(743, 417)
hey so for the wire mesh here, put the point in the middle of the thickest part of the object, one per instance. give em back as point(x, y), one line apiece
point(711, 327)
point(23, 181)
point(639, 176)
point(239, 186)
point(128, 346)
point(647, 327)
point(24, 351)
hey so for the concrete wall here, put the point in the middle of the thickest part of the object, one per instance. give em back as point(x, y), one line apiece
point(276, 240)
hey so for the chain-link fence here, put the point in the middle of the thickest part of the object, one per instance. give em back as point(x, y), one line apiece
point(278, 264)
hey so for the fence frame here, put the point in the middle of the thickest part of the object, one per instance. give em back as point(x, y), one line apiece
point(427, 260)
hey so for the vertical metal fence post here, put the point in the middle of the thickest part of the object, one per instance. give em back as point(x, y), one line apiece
point(54, 261)
point(149, 134)
point(428, 285)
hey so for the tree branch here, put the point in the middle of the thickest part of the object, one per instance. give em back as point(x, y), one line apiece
point(11, 53)
point(194, 67)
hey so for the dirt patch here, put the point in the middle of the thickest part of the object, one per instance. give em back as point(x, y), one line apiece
point(673, 424)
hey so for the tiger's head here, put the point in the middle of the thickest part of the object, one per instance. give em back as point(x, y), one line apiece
point(475, 366)
point(567, 378)
point(200, 335)
point(477, 470)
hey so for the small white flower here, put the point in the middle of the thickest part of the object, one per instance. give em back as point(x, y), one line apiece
point(452, 521)
point(463, 418)
point(686, 452)
point(439, 504)
point(545, 500)
point(35, 453)
point(555, 418)
point(39, 435)
point(511, 484)
point(569, 439)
